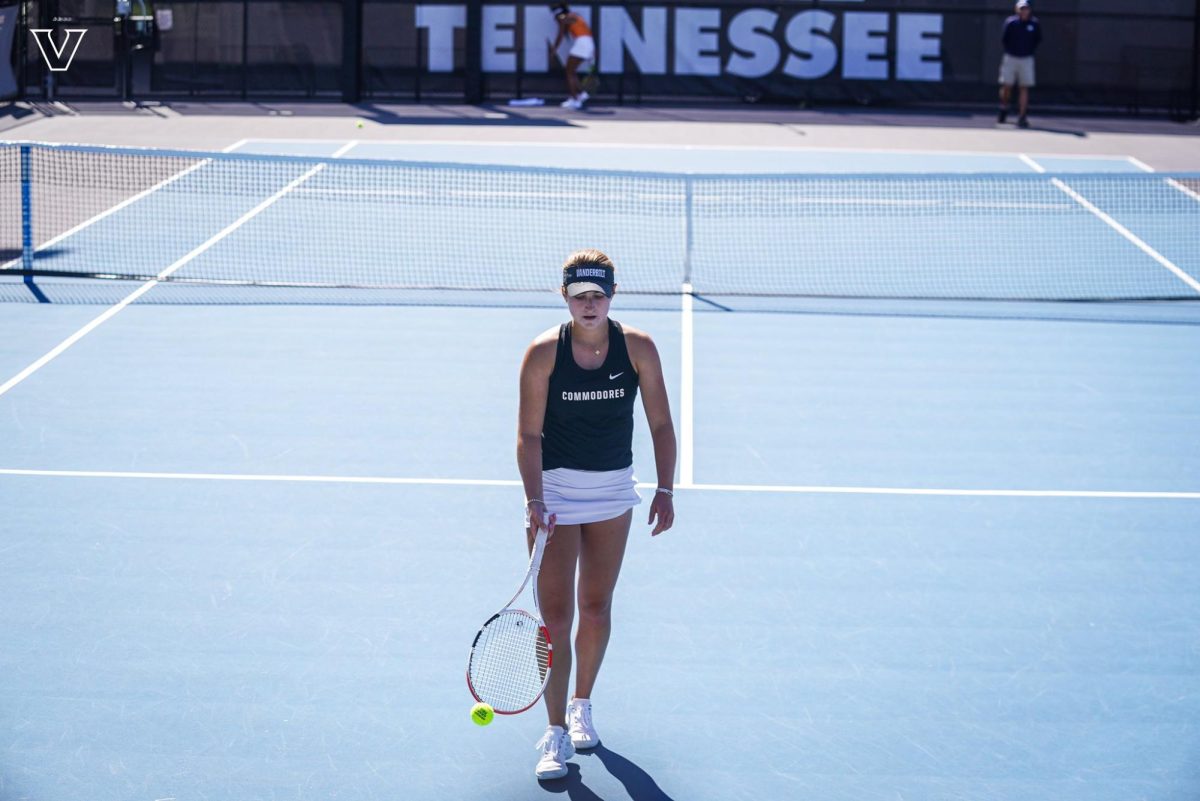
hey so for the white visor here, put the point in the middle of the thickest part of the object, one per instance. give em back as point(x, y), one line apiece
point(579, 287)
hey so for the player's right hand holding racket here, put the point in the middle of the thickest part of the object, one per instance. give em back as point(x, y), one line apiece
point(535, 518)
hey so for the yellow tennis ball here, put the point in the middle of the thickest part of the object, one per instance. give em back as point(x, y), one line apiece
point(360, 123)
point(482, 714)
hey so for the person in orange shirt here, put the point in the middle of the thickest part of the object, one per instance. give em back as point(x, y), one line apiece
point(583, 50)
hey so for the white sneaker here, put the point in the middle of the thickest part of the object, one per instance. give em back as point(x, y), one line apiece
point(571, 103)
point(556, 750)
point(579, 724)
point(583, 98)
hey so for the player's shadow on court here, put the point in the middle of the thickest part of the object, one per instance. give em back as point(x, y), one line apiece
point(639, 785)
point(1062, 131)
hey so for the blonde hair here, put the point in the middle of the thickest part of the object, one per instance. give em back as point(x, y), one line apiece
point(588, 257)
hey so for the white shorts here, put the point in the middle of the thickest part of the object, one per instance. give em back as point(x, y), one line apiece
point(583, 48)
point(1016, 69)
point(589, 496)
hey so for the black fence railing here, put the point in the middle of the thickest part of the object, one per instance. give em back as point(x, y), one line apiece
point(1103, 55)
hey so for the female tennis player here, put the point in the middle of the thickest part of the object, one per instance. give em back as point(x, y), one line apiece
point(583, 49)
point(575, 453)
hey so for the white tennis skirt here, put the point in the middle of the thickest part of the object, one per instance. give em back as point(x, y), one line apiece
point(589, 496)
point(583, 48)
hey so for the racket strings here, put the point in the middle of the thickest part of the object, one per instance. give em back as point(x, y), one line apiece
point(510, 662)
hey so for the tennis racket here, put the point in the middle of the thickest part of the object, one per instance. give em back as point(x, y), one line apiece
point(511, 655)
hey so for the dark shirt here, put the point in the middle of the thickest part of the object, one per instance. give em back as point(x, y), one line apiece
point(589, 413)
point(1021, 38)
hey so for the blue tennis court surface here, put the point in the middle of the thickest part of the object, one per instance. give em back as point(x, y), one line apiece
point(925, 549)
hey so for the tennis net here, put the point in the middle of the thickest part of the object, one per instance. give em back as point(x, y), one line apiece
point(214, 227)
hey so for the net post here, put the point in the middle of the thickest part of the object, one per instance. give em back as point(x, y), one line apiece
point(688, 229)
point(27, 222)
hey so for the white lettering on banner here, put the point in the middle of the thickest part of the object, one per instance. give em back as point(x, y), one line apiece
point(918, 47)
point(758, 41)
point(864, 39)
point(621, 34)
point(750, 32)
point(817, 54)
point(441, 21)
point(696, 41)
point(499, 39)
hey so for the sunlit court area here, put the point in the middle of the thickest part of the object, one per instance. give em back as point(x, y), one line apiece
point(923, 401)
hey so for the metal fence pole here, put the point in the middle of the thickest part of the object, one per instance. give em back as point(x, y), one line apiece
point(22, 51)
point(352, 15)
point(1196, 62)
point(245, 45)
point(473, 57)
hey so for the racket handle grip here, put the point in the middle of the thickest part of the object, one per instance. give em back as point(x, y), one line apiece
point(539, 547)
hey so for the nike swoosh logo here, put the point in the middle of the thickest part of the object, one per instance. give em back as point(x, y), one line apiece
point(618, 375)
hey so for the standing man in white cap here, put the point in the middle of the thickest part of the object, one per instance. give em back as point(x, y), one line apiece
point(1022, 33)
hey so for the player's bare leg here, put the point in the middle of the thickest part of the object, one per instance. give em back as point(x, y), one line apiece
point(573, 63)
point(602, 548)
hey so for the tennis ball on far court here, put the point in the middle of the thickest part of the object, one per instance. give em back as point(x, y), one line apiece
point(482, 714)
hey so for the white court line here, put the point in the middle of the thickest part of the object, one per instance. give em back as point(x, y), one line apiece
point(483, 482)
point(469, 482)
point(657, 146)
point(1125, 232)
point(1116, 226)
point(687, 389)
point(1141, 165)
point(1193, 194)
point(1036, 167)
point(109, 313)
point(969, 493)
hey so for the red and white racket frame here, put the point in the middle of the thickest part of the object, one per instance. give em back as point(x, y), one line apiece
point(535, 566)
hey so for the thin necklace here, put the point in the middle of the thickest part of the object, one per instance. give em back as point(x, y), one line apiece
point(597, 350)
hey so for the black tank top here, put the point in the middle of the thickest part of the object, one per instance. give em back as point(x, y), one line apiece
point(589, 413)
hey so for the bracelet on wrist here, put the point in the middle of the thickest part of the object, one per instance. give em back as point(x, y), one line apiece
point(534, 500)
point(665, 491)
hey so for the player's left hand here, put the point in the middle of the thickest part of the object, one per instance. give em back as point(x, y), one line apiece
point(662, 507)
